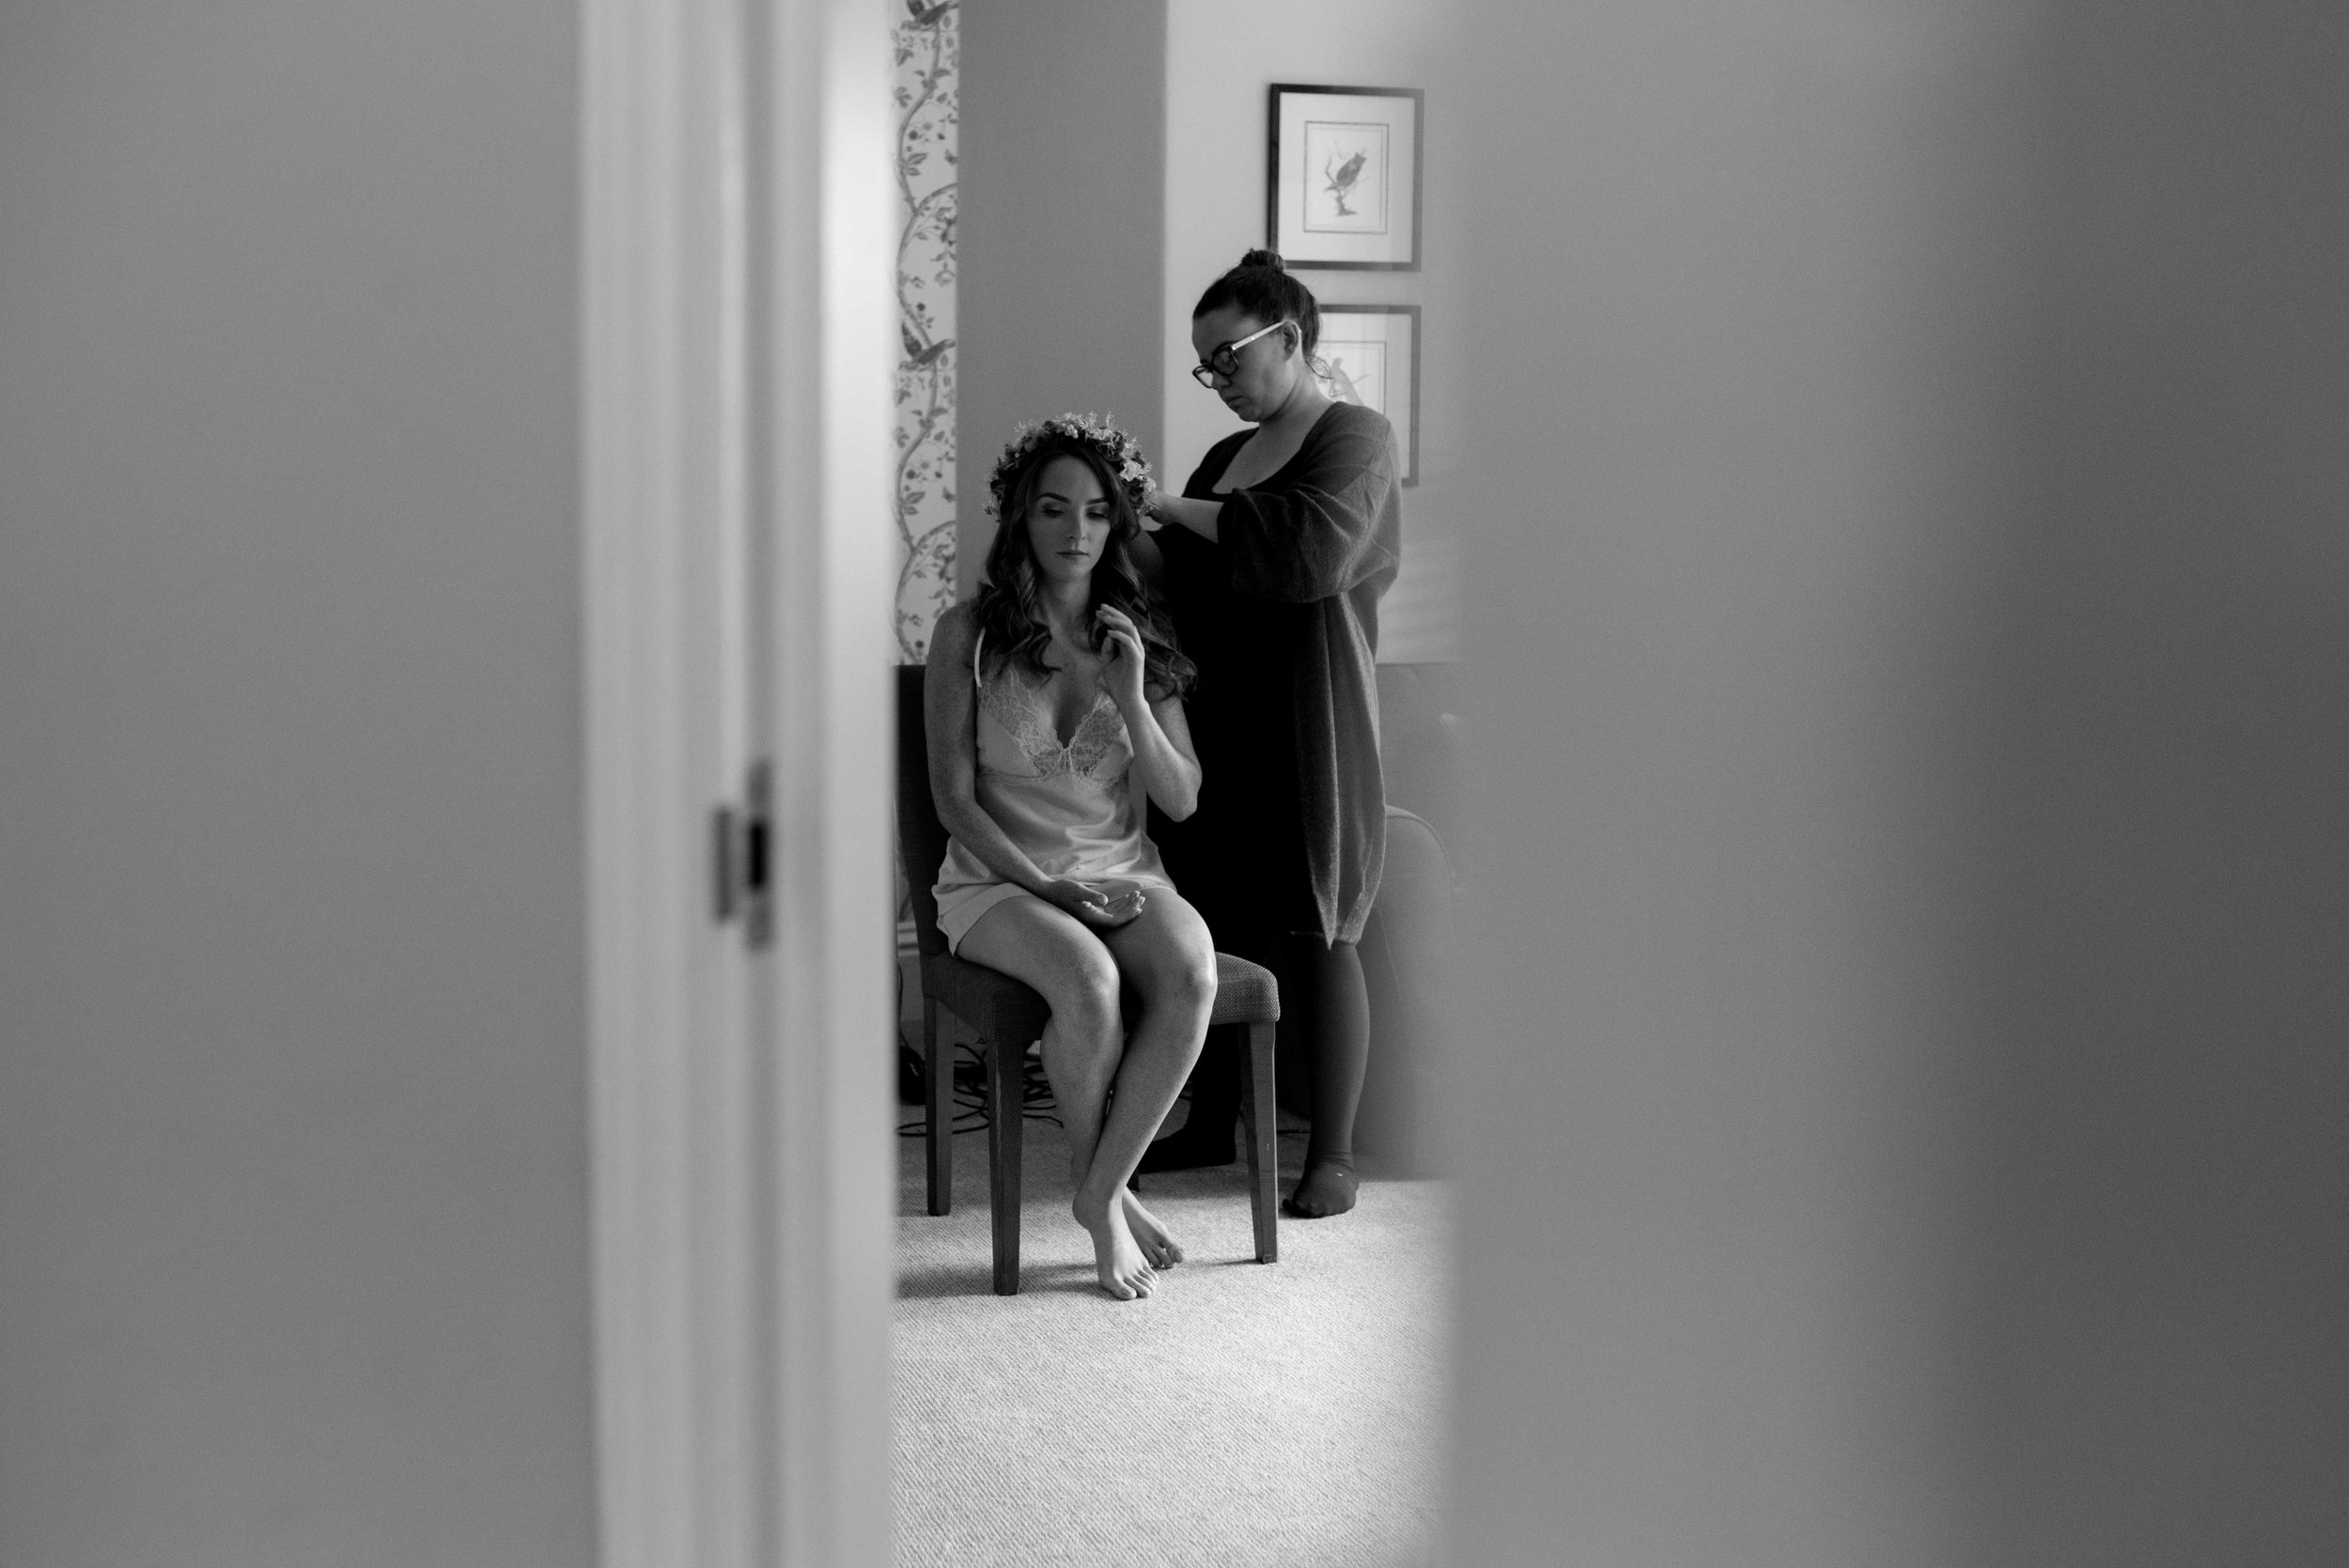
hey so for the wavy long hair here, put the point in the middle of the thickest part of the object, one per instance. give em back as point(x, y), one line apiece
point(1009, 610)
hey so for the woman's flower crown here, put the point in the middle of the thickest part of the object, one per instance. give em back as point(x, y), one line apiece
point(1119, 450)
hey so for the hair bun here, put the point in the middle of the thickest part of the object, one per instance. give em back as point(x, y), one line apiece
point(1264, 258)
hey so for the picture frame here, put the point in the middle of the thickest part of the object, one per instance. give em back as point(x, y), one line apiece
point(1369, 355)
point(1342, 176)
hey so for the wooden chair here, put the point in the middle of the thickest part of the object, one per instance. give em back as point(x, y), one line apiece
point(1007, 1014)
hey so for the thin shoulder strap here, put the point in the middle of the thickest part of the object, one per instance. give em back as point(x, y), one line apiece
point(976, 644)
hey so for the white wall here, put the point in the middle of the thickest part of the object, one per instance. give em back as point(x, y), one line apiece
point(293, 1224)
point(1063, 134)
point(1221, 56)
point(1906, 1103)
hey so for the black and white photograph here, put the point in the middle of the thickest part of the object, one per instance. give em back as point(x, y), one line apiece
point(1370, 356)
point(1174, 783)
point(1344, 166)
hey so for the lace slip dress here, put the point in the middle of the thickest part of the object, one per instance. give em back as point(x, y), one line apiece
point(1077, 810)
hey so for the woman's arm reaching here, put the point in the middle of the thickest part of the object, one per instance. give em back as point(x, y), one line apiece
point(1200, 517)
point(1332, 528)
point(950, 722)
point(1161, 734)
point(1318, 537)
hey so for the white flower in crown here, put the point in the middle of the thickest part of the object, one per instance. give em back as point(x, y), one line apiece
point(1120, 451)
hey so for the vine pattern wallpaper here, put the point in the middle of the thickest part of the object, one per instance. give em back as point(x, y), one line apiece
point(928, 42)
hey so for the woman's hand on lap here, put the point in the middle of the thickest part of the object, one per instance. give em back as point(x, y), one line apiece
point(1124, 901)
point(1090, 904)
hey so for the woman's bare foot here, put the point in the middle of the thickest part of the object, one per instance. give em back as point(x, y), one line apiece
point(1153, 1238)
point(1327, 1187)
point(1117, 1259)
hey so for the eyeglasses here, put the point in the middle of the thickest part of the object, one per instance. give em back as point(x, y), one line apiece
point(1223, 359)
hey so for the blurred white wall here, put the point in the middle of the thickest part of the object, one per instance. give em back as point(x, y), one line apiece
point(1907, 1108)
point(293, 1226)
point(1063, 130)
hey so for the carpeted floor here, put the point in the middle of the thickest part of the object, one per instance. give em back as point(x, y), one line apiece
point(1246, 1414)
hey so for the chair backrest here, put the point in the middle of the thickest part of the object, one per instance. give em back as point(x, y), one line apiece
point(921, 837)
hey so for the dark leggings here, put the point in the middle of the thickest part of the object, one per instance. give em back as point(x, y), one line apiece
point(1325, 1032)
point(1333, 1012)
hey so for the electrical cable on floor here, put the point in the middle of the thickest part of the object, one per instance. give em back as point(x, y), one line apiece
point(969, 1093)
point(969, 1075)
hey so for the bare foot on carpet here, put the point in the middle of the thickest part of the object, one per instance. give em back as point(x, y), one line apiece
point(1117, 1259)
point(1156, 1243)
point(1326, 1188)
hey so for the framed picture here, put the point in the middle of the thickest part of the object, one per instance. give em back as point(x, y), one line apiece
point(1342, 186)
point(1369, 355)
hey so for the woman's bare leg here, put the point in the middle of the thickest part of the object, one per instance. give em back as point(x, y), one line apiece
point(1167, 956)
point(1068, 965)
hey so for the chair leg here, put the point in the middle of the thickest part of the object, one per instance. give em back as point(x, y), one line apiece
point(1006, 1112)
point(1260, 1126)
point(938, 1075)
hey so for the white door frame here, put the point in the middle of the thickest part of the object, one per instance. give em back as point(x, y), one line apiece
point(735, 316)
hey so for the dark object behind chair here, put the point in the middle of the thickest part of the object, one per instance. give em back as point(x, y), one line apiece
point(1408, 945)
point(1407, 953)
point(1006, 1015)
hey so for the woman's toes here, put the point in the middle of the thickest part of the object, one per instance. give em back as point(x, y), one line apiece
point(1158, 1246)
point(1122, 1264)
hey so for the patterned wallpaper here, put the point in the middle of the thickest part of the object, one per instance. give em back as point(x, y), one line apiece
point(929, 41)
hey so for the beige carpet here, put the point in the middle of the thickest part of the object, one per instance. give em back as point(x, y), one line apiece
point(1245, 1414)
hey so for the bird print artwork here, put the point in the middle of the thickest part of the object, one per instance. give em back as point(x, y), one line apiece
point(1341, 178)
point(1338, 383)
point(1346, 164)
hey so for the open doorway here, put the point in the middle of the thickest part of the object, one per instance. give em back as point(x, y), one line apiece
point(738, 336)
point(1293, 1409)
point(736, 322)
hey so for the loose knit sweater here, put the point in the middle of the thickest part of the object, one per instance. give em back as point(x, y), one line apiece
point(1282, 613)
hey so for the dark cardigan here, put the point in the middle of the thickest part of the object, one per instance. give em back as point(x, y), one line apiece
point(1294, 581)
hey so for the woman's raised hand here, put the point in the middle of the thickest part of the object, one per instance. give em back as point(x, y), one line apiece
point(1123, 659)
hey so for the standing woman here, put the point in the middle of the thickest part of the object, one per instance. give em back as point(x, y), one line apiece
point(1275, 558)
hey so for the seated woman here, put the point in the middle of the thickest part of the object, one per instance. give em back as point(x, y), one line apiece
point(1054, 708)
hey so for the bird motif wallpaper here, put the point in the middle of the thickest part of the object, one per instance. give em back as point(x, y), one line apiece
point(929, 41)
